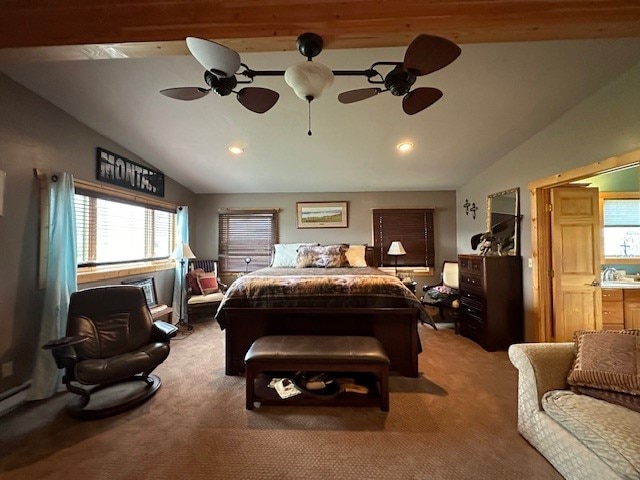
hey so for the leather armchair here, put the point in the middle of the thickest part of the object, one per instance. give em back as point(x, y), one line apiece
point(111, 339)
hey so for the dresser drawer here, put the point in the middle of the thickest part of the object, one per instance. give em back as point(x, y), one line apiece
point(473, 328)
point(470, 281)
point(611, 295)
point(612, 312)
point(470, 264)
point(477, 314)
point(468, 297)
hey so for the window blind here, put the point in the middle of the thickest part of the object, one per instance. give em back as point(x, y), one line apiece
point(246, 233)
point(115, 231)
point(413, 227)
point(621, 212)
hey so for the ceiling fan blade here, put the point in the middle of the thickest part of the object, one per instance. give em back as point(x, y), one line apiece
point(359, 94)
point(216, 58)
point(185, 93)
point(417, 100)
point(257, 99)
point(428, 53)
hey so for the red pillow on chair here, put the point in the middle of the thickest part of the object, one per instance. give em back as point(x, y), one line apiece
point(208, 283)
point(192, 281)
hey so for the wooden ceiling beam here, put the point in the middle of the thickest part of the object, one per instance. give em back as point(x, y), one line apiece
point(107, 28)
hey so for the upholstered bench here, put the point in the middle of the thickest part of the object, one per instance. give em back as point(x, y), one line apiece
point(319, 353)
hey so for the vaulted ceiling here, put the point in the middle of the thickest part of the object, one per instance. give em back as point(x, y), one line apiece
point(523, 64)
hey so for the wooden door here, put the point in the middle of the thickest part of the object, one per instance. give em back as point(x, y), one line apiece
point(575, 245)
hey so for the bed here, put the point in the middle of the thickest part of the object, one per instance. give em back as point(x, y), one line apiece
point(322, 300)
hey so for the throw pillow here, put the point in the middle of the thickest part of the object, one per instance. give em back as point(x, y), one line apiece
point(208, 283)
point(323, 256)
point(286, 254)
point(607, 360)
point(355, 256)
point(192, 281)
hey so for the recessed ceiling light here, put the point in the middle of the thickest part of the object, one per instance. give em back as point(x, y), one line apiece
point(404, 146)
point(236, 150)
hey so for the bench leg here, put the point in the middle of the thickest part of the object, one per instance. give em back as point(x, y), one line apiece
point(384, 388)
point(249, 386)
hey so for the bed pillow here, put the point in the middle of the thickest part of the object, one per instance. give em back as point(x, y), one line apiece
point(323, 256)
point(607, 360)
point(355, 256)
point(208, 283)
point(286, 254)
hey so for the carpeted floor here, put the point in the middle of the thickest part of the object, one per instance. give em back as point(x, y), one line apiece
point(456, 421)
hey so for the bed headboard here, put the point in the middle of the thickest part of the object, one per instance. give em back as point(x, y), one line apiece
point(370, 256)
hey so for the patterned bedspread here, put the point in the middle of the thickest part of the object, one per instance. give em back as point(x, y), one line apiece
point(364, 287)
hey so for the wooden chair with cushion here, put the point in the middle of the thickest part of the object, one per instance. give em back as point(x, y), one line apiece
point(205, 290)
point(445, 296)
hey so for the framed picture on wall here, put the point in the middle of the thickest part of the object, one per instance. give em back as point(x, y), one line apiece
point(322, 215)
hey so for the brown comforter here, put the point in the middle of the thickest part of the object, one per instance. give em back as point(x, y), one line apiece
point(365, 287)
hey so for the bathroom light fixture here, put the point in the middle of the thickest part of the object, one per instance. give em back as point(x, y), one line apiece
point(236, 150)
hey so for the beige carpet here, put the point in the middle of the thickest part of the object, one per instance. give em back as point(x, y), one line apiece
point(456, 421)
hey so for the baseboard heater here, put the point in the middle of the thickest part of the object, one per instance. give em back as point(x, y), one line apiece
point(14, 397)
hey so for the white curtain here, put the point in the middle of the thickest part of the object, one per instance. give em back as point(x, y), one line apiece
point(182, 237)
point(60, 282)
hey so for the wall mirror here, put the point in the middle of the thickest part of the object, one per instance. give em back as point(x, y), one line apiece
point(503, 218)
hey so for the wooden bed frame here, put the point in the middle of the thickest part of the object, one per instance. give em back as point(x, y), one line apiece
point(396, 328)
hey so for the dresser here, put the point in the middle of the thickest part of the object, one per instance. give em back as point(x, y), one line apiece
point(491, 309)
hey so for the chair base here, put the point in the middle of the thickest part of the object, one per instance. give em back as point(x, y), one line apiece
point(80, 408)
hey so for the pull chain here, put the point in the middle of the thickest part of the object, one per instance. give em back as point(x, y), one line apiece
point(309, 98)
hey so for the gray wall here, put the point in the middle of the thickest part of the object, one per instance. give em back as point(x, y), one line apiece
point(605, 124)
point(36, 134)
point(360, 226)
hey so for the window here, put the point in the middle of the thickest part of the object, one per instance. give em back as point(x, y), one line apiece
point(111, 230)
point(246, 233)
point(621, 225)
point(411, 226)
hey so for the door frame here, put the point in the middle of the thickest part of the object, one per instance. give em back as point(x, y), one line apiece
point(540, 191)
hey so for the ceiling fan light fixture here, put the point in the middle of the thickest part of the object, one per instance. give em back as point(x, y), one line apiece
point(215, 58)
point(308, 79)
point(236, 150)
point(405, 147)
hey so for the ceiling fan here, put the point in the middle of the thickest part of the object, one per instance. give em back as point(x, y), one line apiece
point(424, 55)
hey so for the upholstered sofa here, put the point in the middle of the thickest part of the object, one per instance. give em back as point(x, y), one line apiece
point(581, 436)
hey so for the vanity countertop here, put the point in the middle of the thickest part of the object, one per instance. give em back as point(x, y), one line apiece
point(620, 284)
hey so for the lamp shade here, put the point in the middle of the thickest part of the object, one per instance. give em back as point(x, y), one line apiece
point(396, 248)
point(308, 79)
point(182, 251)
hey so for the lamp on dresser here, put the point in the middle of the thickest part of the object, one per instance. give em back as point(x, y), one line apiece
point(182, 252)
point(396, 249)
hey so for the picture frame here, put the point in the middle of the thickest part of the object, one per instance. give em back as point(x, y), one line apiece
point(322, 214)
point(148, 286)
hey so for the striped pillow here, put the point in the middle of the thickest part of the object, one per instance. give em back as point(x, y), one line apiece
point(607, 360)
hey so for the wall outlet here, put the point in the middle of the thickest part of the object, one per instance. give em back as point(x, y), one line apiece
point(7, 369)
point(531, 263)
